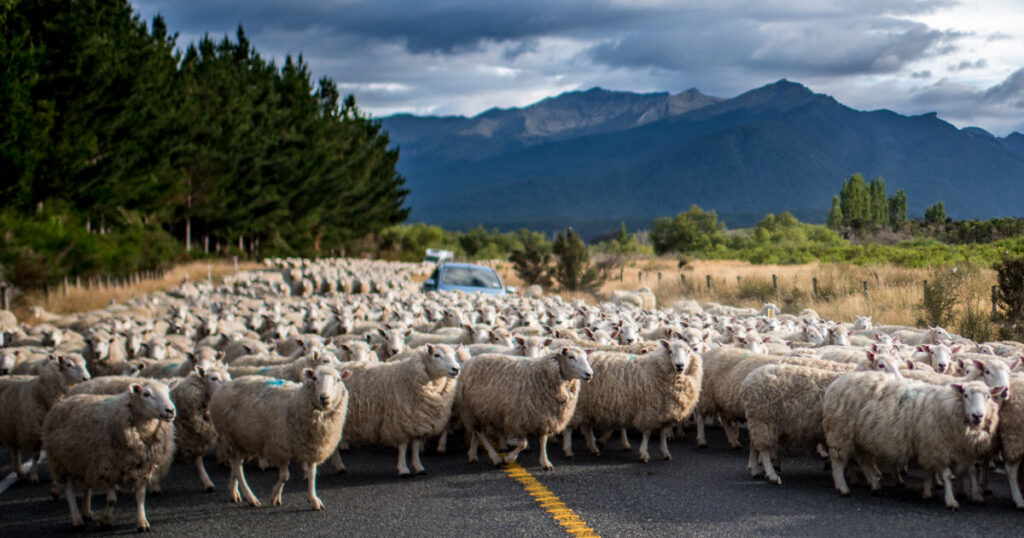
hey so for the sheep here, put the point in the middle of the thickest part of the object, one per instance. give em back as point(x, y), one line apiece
point(645, 392)
point(258, 417)
point(783, 407)
point(7, 360)
point(25, 401)
point(402, 402)
point(1011, 436)
point(291, 370)
point(514, 397)
point(110, 442)
point(876, 418)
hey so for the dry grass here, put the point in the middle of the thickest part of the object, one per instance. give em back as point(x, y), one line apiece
point(74, 299)
point(894, 294)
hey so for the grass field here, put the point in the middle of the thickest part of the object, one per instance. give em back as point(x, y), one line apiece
point(894, 296)
point(75, 299)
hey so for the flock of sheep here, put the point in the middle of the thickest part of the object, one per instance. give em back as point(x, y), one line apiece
point(304, 360)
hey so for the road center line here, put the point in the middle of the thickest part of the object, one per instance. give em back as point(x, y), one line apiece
point(562, 514)
point(13, 477)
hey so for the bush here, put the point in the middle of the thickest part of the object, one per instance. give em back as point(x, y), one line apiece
point(755, 289)
point(532, 260)
point(573, 270)
point(946, 289)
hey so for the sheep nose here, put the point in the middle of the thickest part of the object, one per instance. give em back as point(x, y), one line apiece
point(1006, 393)
point(454, 371)
point(587, 376)
point(169, 412)
point(325, 399)
point(976, 418)
point(679, 367)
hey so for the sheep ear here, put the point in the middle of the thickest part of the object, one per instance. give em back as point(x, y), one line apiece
point(998, 392)
point(142, 366)
point(135, 388)
point(548, 342)
point(1015, 363)
point(871, 356)
point(219, 357)
point(922, 348)
point(565, 351)
point(190, 356)
point(309, 373)
point(346, 347)
point(959, 388)
point(200, 371)
point(368, 338)
point(346, 374)
point(956, 349)
point(430, 349)
point(665, 344)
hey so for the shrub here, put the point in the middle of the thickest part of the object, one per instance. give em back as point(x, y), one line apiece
point(755, 289)
point(573, 270)
point(532, 260)
point(945, 290)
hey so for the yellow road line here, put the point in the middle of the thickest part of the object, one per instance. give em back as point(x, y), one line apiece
point(562, 514)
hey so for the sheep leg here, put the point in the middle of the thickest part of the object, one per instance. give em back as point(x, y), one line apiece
point(976, 495)
point(701, 439)
point(87, 504)
point(822, 451)
point(732, 432)
point(33, 474)
point(752, 463)
point(107, 517)
point(545, 463)
point(871, 474)
point(16, 462)
point(491, 453)
point(985, 465)
point(403, 469)
point(417, 448)
point(56, 489)
point(567, 443)
point(926, 487)
point(839, 472)
point(474, 445)
point(141, 523)
point(282, 477)
point(442, 442)
point(769, 469)
point(311, 494)
point(588, 434)
point(665, 431)
point(624, 440)
point(336, 462)
point(605, 436)
point(76, 516)
point(897, 476)
point(1011, 475)
point(204, 478)
point(511, 456)
point(947, 483)
point(154, 483)
point(238, 473)
point(644, 456)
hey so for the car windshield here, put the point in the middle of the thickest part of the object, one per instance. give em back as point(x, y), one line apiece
point(476, 277)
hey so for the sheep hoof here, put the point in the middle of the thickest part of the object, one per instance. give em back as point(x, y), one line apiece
point(144, 528)
point(317, 504)
point(421, 472)
point(667, 457)
point(404, 475)
point(735, 447)
point(645, 459)
point(567, 456)
point(954, 507)
point(702, 445)
point(777, 481)
point(877, 492)
point(209, 489)
point(987, 492)
point(547, 467)
point(87, 517)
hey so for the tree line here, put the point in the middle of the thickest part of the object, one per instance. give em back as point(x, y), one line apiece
point(110, 129)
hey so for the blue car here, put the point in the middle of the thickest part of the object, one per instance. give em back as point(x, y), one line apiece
point(466, 277)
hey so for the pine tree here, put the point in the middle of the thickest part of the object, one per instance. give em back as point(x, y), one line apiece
point(935, 214)
point(878, 203)
point(855, 202)
point(898, 209)
point(573, 270)
point(835, 214)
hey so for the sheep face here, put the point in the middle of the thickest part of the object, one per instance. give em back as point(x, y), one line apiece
point(532, 347)
point(6, 362)
point(885, 363)
point(626, 335)
point(133, 368)
point(680, 353)
point(325, 386)
point(996, 375)
point(977, 402)
point(99, 347)
point(73, 367)
point(213, 378)
point(439, 361)
point(941, 356)
point(573, 364)
point(500, 337)
point(863, 323)
point(152, 399)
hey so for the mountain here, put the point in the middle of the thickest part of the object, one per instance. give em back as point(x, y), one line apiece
point(592, 159)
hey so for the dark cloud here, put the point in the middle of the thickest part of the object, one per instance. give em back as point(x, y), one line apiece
point(964, 65)
point(998, 105)
point(921, 74)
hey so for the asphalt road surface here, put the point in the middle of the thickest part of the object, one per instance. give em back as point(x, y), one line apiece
point(702, 492)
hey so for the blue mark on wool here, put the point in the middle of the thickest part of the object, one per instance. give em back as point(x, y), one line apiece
point(276, 382)
point(907, 395)
point(263, 370)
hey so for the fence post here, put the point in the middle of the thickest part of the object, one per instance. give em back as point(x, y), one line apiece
point(5, 299)
point(236, 264)
point(659, 277)
point(640, 276)
point(775, 285)
point(621, 271)
point(926, 290)
point(682, 279)
point(708, 278)
point(737, 280)
point(65, 285)
point(995, 296)
point(814, 286)
point(865, 289)
point(46, 294)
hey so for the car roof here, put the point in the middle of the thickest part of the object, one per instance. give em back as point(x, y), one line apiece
point(464, 265)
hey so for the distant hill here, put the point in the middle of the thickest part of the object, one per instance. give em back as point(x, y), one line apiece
point(591, 159)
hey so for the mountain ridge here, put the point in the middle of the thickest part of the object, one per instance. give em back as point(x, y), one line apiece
point(592, 157)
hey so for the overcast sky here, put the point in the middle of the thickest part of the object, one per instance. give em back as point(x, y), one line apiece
point(962, 59)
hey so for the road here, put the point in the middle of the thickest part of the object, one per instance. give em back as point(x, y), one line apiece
point(702, 492)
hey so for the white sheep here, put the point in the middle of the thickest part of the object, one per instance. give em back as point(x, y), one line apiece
point(110, 442)
point(515, 397)
point(783, 408)
point(652, 391)
point(878, 419)
point(280, 421)
point(25, 401)
point(402, 402)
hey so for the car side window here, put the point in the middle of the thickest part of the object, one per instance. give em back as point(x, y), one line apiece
point(433, 276)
